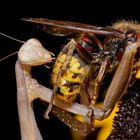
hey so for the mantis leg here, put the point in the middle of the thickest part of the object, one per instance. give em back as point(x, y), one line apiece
point(28, 126)
point(120, 80)
point(25, 96)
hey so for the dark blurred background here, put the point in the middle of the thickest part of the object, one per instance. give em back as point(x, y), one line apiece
point(11, 24)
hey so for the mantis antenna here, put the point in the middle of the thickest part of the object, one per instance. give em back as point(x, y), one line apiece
point(8, 56)
point(12, 38)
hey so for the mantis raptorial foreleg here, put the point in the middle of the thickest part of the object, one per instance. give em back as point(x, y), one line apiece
point(120, 81)
point(28, 126)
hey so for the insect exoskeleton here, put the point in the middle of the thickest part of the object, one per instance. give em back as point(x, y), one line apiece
point(73, 71)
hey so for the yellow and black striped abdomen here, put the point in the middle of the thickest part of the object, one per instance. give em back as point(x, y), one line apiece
point(70, 81)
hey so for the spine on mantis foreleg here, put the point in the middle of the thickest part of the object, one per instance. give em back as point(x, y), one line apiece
point(67, 118)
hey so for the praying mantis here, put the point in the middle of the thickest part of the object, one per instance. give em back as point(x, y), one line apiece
point(28, 89)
